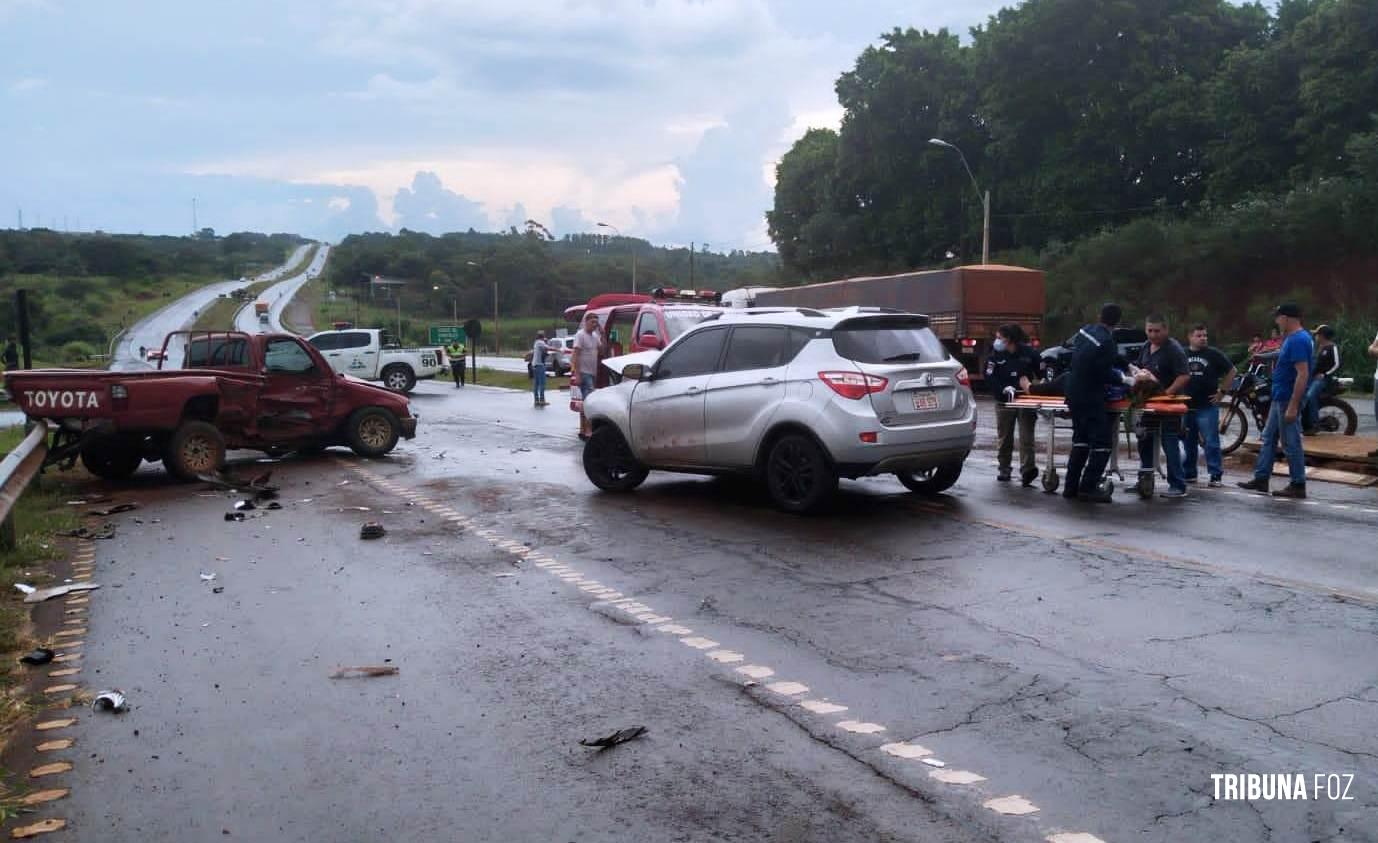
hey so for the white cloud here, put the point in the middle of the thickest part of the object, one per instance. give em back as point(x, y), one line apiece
point(27, 84)
point(338, 203)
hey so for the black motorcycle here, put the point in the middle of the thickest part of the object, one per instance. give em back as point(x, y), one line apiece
point(1251, 394)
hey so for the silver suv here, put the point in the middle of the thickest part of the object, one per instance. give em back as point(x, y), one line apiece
point(797, 398)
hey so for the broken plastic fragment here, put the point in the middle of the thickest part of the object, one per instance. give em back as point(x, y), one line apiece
point(40, 655)
point(111, 701)
point(620, 736)
point(372, 530)
point(367, 671)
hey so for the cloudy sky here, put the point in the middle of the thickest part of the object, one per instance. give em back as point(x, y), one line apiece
point(662, 117)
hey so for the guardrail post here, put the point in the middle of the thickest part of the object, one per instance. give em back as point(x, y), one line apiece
point(17, 470)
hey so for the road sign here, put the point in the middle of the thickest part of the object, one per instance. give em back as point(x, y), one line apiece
point(446, 334)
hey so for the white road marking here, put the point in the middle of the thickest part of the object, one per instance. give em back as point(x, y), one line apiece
point(726, 656)
point(1073, 837)
point(860, 727)
point(674, 629)
point(956, 776)
point(698, 643)
point(821, 707)
point(1013, 804)
point(788, 689)
point(933, 762)
point(906, 750)
point(755, 671)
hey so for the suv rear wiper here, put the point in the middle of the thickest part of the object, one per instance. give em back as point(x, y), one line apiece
point(913, 355)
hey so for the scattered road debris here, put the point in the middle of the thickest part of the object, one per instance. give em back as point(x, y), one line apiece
point(355, 509)
point(372, 530)
point(273, 505)
point(89, 501)
point(40, 594)
point(208, 578)
point(241, 506)
point(218, 589)
point(24, 587)
point(114, 510)
point(105, 531)
point(365, 672)
point(235, 516)
point(630, 733)
point(112, 701)
point(40, 655)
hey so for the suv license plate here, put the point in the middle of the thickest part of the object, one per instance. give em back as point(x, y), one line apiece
point(925, 400)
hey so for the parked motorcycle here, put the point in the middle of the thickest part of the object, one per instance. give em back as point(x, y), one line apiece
point(1251, 395)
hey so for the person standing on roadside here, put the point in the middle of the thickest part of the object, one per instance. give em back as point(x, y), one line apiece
point(455, 351)
point(1010, 368)
point(539, 352)
point(1163, 358)
point(1373, 352)
point(1091, 370)
point(1211, 372)
point(1290, 375)
point(587, 343)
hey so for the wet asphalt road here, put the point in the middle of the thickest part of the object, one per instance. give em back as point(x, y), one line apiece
point(1101, 664)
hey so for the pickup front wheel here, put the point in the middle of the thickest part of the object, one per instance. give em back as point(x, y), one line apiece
point(372, 431)
point(112, 457)
point(195, 449)
point(399, 378)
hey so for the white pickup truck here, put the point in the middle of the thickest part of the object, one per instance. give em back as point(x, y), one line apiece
point(372, 355)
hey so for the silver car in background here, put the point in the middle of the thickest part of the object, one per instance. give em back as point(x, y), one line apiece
point(796, 397)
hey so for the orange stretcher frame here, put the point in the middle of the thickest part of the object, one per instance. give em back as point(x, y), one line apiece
point(1053, 407)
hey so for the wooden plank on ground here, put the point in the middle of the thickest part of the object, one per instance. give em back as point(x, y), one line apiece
point(1330, 475)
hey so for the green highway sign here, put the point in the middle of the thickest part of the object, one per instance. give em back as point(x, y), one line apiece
point(446, 334)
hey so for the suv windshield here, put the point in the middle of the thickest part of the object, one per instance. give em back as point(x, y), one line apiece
point(905, 339)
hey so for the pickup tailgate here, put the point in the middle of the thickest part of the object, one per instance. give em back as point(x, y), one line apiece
point(63, 393)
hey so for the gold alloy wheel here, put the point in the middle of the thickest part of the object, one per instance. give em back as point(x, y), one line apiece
point(199, 454)
point(375, 432)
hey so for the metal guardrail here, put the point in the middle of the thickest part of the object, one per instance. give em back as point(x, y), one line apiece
point(17, 470)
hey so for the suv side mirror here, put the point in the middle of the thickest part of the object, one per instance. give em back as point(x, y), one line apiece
point(650, 341)
point(636, 372)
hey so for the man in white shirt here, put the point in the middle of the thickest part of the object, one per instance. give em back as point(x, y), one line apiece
point(587, 343)
point(539, 352)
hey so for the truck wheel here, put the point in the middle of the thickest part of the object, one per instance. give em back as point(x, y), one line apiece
point(609, 462)
point(399, 378)
point(195, 449)
point(934, 480)
point(112, 457)
point(798, 475)
point(372, 431)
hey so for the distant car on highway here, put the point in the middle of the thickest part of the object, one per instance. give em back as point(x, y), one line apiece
point(558, 363)
point(371, 354)
point(1054, 361)
point(794, 397)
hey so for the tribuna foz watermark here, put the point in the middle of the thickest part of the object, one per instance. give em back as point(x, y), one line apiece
point(1271, 787)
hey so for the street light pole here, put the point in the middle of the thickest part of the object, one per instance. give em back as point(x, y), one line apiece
point(632, 246)
point(983, 196)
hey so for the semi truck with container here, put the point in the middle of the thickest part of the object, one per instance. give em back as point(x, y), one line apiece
point(965, 305)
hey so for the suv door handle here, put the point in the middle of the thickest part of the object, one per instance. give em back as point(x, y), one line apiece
point(767, 381)
point(693, 390)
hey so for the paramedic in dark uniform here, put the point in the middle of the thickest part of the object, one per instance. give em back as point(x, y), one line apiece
point(1010, 368)
point(1094, 355)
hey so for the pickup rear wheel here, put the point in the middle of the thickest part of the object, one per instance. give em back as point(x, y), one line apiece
point(372, 431)
point(112, 457)
point(195, 449)
point(399, 377)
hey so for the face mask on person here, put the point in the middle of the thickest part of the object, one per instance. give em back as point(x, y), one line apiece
point(1000, 344)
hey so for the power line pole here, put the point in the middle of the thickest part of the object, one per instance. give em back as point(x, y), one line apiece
point(194, 227)
point(691, 264)
point(21, 219)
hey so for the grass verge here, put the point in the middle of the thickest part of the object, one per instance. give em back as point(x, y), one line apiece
point(39, 515)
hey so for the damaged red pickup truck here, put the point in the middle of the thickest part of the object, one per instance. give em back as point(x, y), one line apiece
point(212, 392)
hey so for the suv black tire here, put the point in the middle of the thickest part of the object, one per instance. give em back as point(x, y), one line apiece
point(933, 481)
point(798, 475)
point(372, 431)
point(195, 449)
point(398, 377)
point(609, 462)
point(112, 457)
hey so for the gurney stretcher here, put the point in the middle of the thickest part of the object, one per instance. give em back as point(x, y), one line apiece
point(1153, 414)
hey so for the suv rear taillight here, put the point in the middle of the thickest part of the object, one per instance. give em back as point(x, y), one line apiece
point(853, 385)
point(963, 378)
